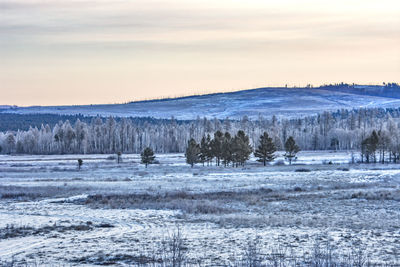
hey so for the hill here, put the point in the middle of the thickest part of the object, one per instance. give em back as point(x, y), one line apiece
point(267, 101)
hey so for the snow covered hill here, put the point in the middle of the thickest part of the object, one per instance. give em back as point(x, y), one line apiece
point(265, 101)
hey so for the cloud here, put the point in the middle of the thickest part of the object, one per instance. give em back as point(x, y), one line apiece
point(166, 21)
point(217, 38)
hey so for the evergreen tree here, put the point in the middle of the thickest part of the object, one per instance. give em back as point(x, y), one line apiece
point(80, 163)
point(291, 149)
point(10, 141)
point(119, 157)
point(192, 153)
point(205, 148)
point(147, 156)
point(266, 150)
point(209, 155)
point(384, 143)
point(216, 146)
point(241, 148)
point(226, 149)
point(369, 146)
point(373, 145)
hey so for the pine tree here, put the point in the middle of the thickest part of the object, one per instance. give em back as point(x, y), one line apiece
point(209, 150)
point(369, 146)
point(227, 149)
point(373, 145)
point(205, 149)
point(383, 144)
point(241, 148)
point(80, 163)
point(266, 150)
point(192, 153)
point(147, 156)
point(216, 146)
point(10, 141)
point(291, 149)
point(119, 157)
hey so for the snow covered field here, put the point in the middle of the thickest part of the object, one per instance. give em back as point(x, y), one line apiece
point(125, 214)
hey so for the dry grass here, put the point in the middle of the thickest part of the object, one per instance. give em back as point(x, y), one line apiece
point(12, 231)
point(25, 193)
point(174, 251)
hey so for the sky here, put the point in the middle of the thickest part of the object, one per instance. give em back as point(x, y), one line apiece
point(55, 52)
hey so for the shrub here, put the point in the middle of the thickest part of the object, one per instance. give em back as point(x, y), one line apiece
point(302, 170)
point(297, 189)
point(279, 162)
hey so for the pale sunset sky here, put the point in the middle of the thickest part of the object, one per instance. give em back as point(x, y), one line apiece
point(58, 52)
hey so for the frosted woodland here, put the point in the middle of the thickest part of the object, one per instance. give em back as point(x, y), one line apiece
point(340, 130)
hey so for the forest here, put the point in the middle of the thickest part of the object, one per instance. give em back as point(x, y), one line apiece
point(340, 130)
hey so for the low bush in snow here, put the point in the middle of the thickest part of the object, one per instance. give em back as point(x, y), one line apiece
point(302, 170)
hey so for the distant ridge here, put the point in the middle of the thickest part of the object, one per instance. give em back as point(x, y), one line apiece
point(265, 101)
point(363, 89)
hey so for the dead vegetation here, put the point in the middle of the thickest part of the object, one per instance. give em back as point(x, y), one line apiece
point(25, 193)
point(385, 194)
point(13, 231)
point(174, 251)
point(222, 202)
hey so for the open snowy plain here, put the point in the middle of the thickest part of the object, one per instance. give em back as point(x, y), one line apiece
point(319, 209)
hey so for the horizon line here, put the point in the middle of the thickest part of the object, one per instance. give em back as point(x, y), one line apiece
point(205, 93)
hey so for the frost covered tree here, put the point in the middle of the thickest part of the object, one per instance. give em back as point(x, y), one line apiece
point(265, 151)
point(291, 149)
point(80, 135)
point(192, 153)
point(339, 130)
point(147, 156)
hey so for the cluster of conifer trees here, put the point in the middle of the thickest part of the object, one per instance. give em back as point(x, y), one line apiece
point(235, 150)
point(379, 143)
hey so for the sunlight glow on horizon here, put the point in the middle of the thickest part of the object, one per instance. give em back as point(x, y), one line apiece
point(97, 51)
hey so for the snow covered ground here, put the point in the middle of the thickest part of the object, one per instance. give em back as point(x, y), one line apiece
point(109, 213)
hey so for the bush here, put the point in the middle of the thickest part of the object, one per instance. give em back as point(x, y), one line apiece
point(279, 162)
point(302, 170)
point(297, 189)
